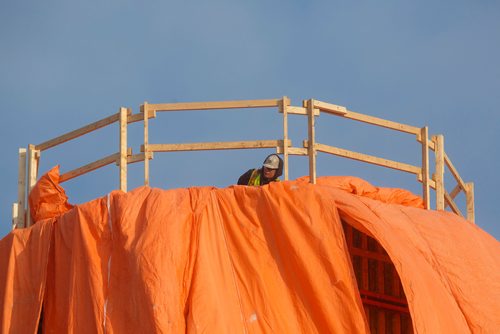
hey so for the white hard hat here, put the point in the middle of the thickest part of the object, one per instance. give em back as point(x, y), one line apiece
point(272, 162)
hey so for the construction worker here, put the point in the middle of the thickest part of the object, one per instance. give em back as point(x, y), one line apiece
point(272, 168)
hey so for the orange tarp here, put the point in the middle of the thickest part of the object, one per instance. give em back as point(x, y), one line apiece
point(23, 271)
point(244, 259)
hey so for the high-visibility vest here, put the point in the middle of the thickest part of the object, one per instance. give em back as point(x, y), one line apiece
point(255, 178)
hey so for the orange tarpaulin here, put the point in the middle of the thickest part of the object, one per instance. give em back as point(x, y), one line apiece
point(246, 259)
point(23, 271)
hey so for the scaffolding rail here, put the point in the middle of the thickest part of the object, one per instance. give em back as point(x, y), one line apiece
point(29, 159)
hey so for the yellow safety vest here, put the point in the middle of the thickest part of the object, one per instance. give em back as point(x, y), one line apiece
point(255, 178)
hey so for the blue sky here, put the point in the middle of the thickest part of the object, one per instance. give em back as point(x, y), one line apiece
point(64, 64)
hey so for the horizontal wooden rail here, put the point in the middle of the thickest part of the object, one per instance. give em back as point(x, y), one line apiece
point(212, 105)
point(432, 183)
point(293, 150)
point(430, 143)
point(342, 111)
point(367, 158)
point(140, 117)
point(330, 108)
point(454, 172)
point(382, 122)
point(215, 146)
point(300, 111)
point(80, 132)
point(131, 159)
point(113, 158)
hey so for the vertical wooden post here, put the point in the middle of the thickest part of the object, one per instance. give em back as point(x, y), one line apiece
point(145, 110)
point(439, 173)
point(364, 263)
point(311, 140)
point(33, 157)
point(424, 135)
point(365, 284)
point(285, 102)
point(123, 149)
point(381, 289)
point(21, 190)
point(469, 198)
point(396, 291)
point(15, 215)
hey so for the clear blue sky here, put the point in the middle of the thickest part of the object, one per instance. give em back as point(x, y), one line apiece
point(64, 64)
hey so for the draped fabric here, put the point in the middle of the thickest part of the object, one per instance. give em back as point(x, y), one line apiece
point(270, 259)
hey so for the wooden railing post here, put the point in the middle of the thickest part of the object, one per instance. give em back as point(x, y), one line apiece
point(469, 197)
point(33, 160)
point(15, 216)
point(424, 135)
point(439, 172)
point(311, 141)
point(20, 219)
point(145, 110)
point(285, 102)
point(123, 149)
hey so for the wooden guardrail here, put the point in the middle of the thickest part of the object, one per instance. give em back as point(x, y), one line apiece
point(314, 108)
point(29, 159)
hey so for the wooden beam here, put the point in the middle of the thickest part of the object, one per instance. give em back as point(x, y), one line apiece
point(311, 137)
point(294, 151)
point(370, 255)
point(214, 105)
point(285, 103)
point(431, 182)
point(348, 236)
point(396, 291)
point(439, 171)
point(365, 284)
point(301, 111)
point(15, 216)
point(453, 194)
point(140, 117)
point(452, 204)
point(21, 189)
point(145, 108)
point(454, 172)
point(132, 159)
point(385, 298)
point(330, 108)
point(380, 286)
point(469, 197)
point(424, 132)
point(342, 111)
point(367, 158)
point(382, 122)
point(123, 149)
point(113, 158)
point(379, 304)
point(430, 143)
point(232, 145)
point(79, 132)
point(33, 159)
point(455, 191)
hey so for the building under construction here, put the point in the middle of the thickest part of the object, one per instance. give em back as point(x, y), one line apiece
point(319, 254)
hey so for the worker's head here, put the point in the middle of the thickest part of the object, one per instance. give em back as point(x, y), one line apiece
point(272, 167)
